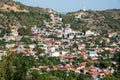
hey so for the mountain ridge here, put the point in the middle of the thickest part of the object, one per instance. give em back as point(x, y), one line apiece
point(17, 14)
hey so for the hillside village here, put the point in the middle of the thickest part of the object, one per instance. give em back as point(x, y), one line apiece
point(56, 45)
point(68, 45)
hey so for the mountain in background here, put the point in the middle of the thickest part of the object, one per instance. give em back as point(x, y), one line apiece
point(19, 15)
point(95, 20)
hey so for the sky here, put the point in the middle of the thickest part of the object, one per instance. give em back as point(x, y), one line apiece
point(73, 5)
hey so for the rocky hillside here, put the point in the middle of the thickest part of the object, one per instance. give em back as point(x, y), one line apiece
point(22, 16)
point(96, 20)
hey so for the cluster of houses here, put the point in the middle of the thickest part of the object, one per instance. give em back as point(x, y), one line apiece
point(67, 44)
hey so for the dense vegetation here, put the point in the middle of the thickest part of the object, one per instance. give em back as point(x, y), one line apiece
point(20, 19)
point(96, 20)
point(20, 67)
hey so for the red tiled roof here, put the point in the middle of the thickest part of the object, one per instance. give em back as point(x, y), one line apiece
point(94, 73)
point(67, 66)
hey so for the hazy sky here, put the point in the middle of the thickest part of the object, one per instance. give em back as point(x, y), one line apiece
point(73, 5)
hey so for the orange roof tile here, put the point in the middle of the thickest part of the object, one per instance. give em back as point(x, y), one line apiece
point(106, 71)
point(83, 63)
point(85, 55)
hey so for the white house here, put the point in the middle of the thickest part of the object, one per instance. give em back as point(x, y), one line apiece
point(8, 38)
point(93, 54)
point(55, 54)
point(71, 35)
point(9, 45)
point(67, 29)
point(112, 34)
point(78, 34)
point(31, 46)
point(89, 33)
point(14, 32)
point(59, 33)
point(52, 49)
point(64, 52)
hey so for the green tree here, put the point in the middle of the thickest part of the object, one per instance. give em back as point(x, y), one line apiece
point(116, 57)
point(15, 66)
point(109, 77)
point(117, 74)
point(26, 40)
point(22, 31)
